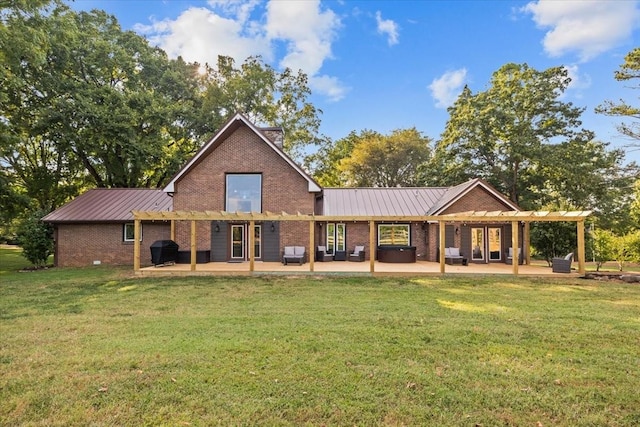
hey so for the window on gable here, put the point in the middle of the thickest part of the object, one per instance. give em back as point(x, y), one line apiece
point(128, 232)
point(393, 234)
point(244, 192)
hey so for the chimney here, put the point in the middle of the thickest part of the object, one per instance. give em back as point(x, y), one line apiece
point(275, 135)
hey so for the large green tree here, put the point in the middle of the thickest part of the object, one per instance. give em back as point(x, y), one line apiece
point(266, 97)
point(503, 133)
point(84, 103)
point(629, 73)
point(324, 163)
point(394, 160)
point(97, 99)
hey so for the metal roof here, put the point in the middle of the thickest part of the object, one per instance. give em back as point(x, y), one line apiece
point(111, 205)
point(407, 201)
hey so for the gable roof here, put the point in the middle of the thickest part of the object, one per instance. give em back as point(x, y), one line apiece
point(231, 126)
point(400, 201)
point(111, 205)
point(455, 193)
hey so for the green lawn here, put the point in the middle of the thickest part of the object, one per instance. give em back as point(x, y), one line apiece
point(97, 347)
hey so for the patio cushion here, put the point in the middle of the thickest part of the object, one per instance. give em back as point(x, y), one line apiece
point(451, 252)
point(358, 249)
point(298, 250)
point(289, 250)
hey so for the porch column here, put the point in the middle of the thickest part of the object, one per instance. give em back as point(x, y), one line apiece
point(441, 229)
point(526, 244)
point(193, 245)
point(581, 252)
point(372, 245)
point(515, 246)
point(312, 244)
point(173, 230)
point(136, 244)
point(252, 243)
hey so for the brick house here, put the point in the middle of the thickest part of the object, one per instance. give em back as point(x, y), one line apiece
point(243, 169)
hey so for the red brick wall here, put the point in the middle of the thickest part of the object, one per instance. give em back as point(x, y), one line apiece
point(283, 189)
point(79, 245)
point(478, 199)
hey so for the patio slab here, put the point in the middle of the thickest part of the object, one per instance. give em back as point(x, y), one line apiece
point(350, 268)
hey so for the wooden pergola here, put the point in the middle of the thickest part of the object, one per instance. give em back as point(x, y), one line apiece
point(514, 217)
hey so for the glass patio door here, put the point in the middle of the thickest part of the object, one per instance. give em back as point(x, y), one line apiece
point(495, 243)
point(240, 242)
point(477, 244)
point(237, 241)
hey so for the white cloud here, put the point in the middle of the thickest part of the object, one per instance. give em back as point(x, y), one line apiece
point(446, 88)
point(587, 27)
point(579, 81)
point(388, 27)
point(242, 29)
point(306, 30)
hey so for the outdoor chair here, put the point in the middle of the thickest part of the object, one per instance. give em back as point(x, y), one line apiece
point(294, 254)
point(509, 257)
point(322, 255)
point(357, 254)
point(453, 256)
point(562, 265)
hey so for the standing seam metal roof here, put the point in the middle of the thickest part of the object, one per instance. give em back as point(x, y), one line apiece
point(111, 205)
point(407, 201)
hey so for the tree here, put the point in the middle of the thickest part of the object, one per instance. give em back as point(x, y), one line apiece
point(604, 242)
point(635, 204)
point(395, 160)
point(324, 163)
point(266, 97)
point(36, 239)
point(584, 174)
point(113, 110)
point(502, 134)
point(629, 70)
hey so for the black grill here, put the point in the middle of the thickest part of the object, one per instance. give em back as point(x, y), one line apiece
point(164, 252)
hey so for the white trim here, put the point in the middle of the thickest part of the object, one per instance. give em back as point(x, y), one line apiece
point(170, 188)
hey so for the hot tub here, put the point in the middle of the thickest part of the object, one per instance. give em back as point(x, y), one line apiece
point(396, 254)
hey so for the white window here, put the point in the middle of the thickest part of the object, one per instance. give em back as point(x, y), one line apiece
point(128, 232)
point(393, 234)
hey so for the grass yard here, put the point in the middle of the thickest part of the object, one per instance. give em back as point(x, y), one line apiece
point(98, 347)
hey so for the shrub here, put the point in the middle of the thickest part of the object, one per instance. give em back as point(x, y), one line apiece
point(36, 239)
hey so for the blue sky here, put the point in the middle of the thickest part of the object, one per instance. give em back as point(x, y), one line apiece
point(385, 65)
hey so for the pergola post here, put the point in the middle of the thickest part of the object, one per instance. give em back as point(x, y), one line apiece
point(312, 244)
point(441, 229)
point(581, 251)
point(136, 245)
point(193, 245)
point(172, 235)
point(372, 245)
point(515, 245)
point(252, 244)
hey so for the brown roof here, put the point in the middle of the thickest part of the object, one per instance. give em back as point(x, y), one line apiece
point(399, 201)
point(111, 205)
point(381, 201)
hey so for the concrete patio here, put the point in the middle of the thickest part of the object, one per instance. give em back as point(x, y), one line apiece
point(350, 268)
